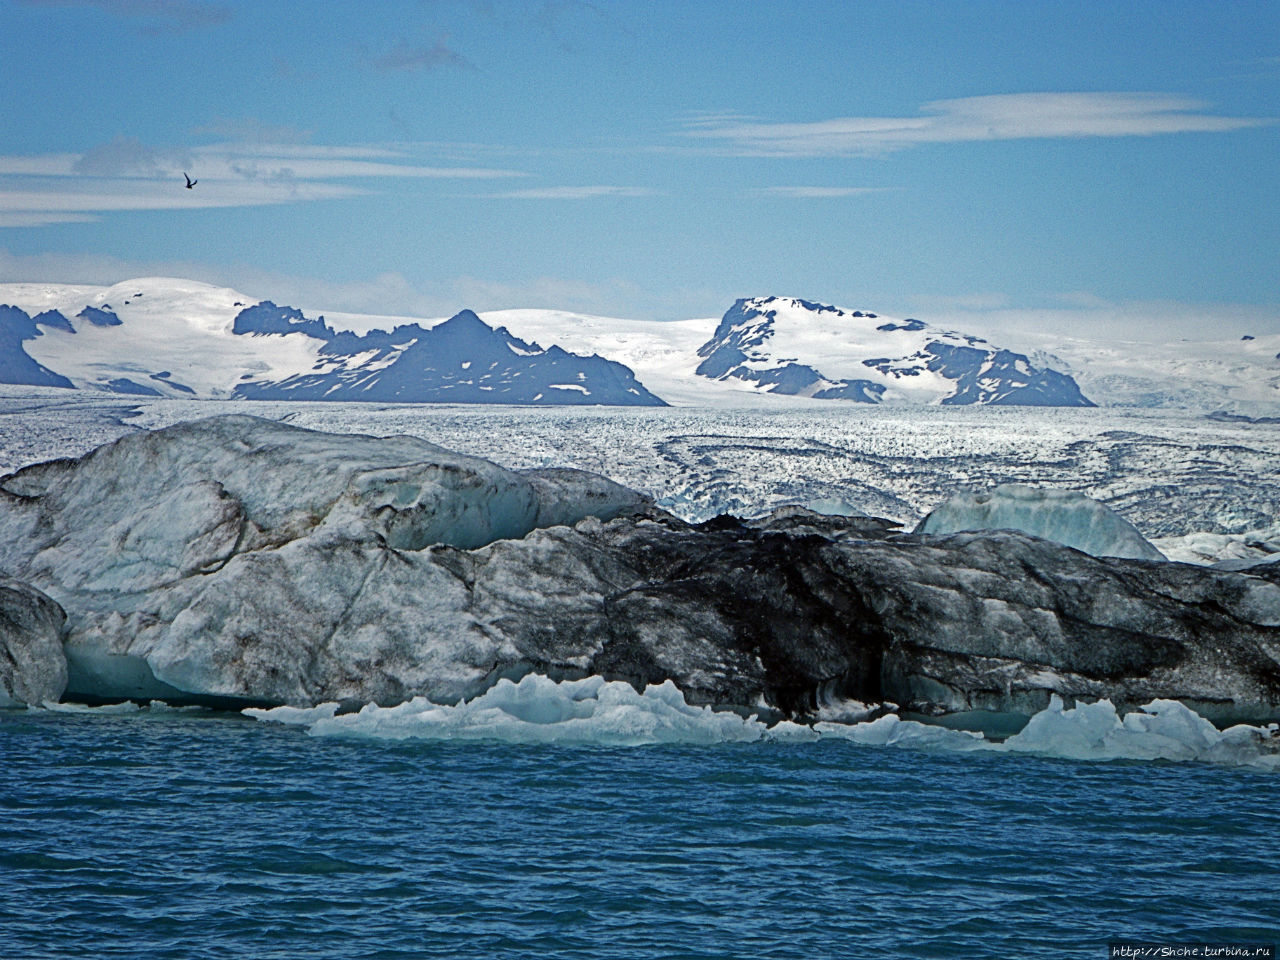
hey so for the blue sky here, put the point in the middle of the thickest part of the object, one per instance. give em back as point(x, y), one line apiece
point(1090, 166)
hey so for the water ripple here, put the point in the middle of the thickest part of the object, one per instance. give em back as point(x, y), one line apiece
point(211, 836)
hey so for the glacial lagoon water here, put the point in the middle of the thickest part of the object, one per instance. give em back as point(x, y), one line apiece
point(190, 834)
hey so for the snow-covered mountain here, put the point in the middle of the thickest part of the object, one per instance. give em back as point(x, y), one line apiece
point(182, 338)
point(462, 360)
point(163, 337)
point(1241, 375)
point(814, 350)
point(16, 366)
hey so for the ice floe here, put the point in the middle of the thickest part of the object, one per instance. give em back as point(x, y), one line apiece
point(537, 710)
point(597, 712)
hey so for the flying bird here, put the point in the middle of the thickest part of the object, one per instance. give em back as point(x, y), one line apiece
point(190, 183)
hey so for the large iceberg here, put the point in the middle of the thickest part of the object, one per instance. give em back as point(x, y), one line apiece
point(1064, 516)
point(242, 562)
point(243, 558)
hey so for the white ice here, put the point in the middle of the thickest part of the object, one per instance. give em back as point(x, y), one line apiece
point(597, 712)
point(1162, 730)
point(538, 710)
point(1065, 516)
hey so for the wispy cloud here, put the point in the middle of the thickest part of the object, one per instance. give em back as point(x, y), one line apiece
point(40, 218)
point(126, 174)
point(817, 193)
point(573, 193)
point(154, 16)
point(49, 202)
point(121, 157)
point(409, 56)
point(1001, 117)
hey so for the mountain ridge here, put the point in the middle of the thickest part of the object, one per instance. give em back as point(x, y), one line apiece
point(183, 338)
point(794, 346)
point(169, 337)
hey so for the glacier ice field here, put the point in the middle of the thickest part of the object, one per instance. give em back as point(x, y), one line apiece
point(1201, 488)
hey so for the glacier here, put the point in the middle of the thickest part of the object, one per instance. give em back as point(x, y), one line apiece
point(1065, 516)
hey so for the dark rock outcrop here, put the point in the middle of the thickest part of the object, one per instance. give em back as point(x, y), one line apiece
point(266, 317)
point(16, 365)
point(100, 317)
point(55, 320)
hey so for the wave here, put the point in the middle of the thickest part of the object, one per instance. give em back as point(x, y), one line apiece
point(595, 711)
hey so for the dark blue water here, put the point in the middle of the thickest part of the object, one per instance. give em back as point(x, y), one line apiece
point(190, 836)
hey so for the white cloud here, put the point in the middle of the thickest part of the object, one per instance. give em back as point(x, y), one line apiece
point(19, 218)
point(121, 157)
point(126, 174)
point(574, 193)
point(40, 165)
point(142, 195)
point(1001, 117)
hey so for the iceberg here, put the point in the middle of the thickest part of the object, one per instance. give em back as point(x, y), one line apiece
point(247, 559)
point(236, 562)
point(1159, 730)
point(593, 711)
point(1064, 516)
point(32, 666)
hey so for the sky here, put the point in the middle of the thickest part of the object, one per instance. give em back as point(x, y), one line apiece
point(1108, 167)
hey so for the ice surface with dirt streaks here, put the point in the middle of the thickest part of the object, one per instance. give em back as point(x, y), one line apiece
point(243, 557)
